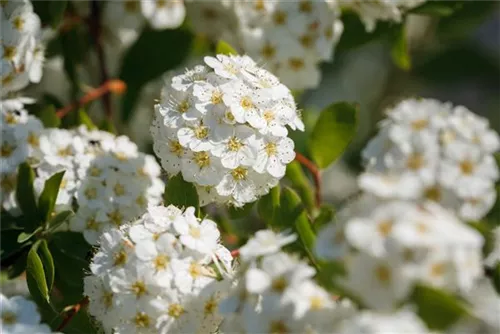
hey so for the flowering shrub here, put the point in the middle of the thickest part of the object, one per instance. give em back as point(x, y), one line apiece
point(198, 201)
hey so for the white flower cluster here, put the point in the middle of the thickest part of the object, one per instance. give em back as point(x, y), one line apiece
point(493, 258)
point(21, 46)
point(275, 292)
point(224, 127)
point(105, 175)
point(20, 141)
point(380, 10)
point(290, 37)
point(430, 150)
point(20, 316)
point(162, 274)
point(391, 246)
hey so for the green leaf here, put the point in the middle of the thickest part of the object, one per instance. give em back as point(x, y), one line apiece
point(438, 309)
point(83, 118)
point(224, 48)
point(437, 8)
point(48, 197)
point(154, 53)
point(22, 237)
point(399, 51)
point(56, 9)
point(9, 247)
point(25, 196)
point(35, 276)
point(59, 219)
point(333, 132)
point(18, 267)
point(325, 216)
point(49, 117)
point(181, 193)
point(108, 126)
point(292, 212)
point(496, 277)
point(300, 182)
point(238, 213)
point(48, 263)
point(268, 206)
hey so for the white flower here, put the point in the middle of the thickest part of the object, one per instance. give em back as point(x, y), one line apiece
point(265, 242)
point(428, 150)
point(162, 14)
point(199, 236)
point(19, 315)
point(146, 277)
point(209, 126)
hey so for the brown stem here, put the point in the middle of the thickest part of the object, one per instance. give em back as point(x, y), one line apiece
point(111, 86)
point(70, 313)
point(315, 172)
point(96, 32)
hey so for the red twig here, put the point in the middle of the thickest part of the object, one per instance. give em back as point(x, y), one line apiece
point(96, 32)
point(316, 174)
point(70, 313)
point(111, 86)
point(235, 253)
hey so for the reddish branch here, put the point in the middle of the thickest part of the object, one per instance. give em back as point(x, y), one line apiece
point(96, 32)
point(70, 312)
point(111, 86)
point(316, 174)
point(235, 253)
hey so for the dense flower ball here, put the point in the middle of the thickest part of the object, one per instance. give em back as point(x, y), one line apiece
point(161, 274)
point(224, 127)
point(20, 138)
point(394, 245)
point(276, 293)
point(290, 37)
point(19, 315)
point(21, 47)
point(116, 182)
point(430, 150)
point(380, 10)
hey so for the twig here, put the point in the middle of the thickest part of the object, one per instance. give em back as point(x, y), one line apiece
point(316, 174)
point(111, 86)
point(70, 313)
point(96, 32)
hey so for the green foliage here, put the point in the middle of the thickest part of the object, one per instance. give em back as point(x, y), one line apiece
point(437, 8)
point(437, 308)
point(300, 182)
point(333, 132)
point(48, 263)
point(35, 276)
point(399, 50)
point(48, 197)
point(48, 117)
point(59, 219)
point(181, 193)
point(325, 215)
point(25, 196)
point(152, 54)
point(108, 126)
point(496, 277)
point(268, 206)
point(83, 118)
point(238, 213)
point(293, 213)
point(50, 12)
point(225, 48)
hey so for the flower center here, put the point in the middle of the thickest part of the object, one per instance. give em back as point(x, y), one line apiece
point(141, 320)
point(239, 173)
point(437, 270)
point(107, 299)
point(419, 124)
point(9, 318)
point(6, 150)
point(9, 52)
point(385, 227)
point(115, 217)
point(202, 159)
point(383, 274)
point(161, 262)
point(296, 64)
point(131, 6)
point(415, 161)
point(433, 194)
point(175, 310)
point(33, 140)
point(279, 284)
point(210, 306)
point(246, 102)
point(64, 152)
point(91, 193)
point(268, 51)
point(120, 258)
point(316, 303)
point(467, 167)
point(138, 288)
point(183, 106)
point(216, 97)
point(269, 116)
point(279, 18)
point(278, 327)
point(18, 23)
point(271, 149)
point(306, 41)
point(8, 183)
point(119, 189)
point(195, 270)
point(305, 6)
point(195, 232)
point(201, 132)
point(92, 224)
point(234, 144)
point(176, 148)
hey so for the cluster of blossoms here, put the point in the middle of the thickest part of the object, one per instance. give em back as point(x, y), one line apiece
point(428, 150)
point(21, 46)
point(20, 316)
point(105, 175)
point(275, 292)
point(223, 126)
point(380, 10)
point(290, 38)
point(162, 274)
point(388, 247)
